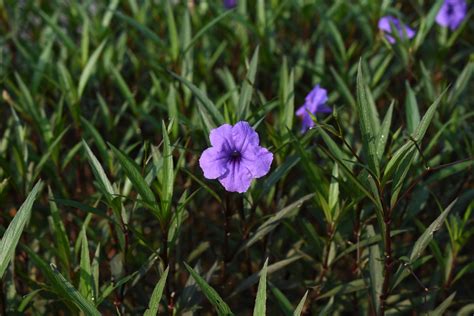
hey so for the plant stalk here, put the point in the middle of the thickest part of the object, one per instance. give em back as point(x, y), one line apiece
point(388, 262)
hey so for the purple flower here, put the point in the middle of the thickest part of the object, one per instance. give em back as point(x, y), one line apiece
point(452, 13)
point(229, 4)
point(315, 102)
point(235, 158)
point(403, 31)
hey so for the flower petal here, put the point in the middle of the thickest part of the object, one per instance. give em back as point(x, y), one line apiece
point(323, 108)
point(237, 179)
point(213, 163)
point(244, 135)
point(302, 110)
point(317, 96)
point(257, 161)
point(221, 136)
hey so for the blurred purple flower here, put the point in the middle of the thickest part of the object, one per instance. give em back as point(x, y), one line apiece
point(403, 31)
point(229, 4)
point(235, 158)
point(315, 102)
point(452, 13)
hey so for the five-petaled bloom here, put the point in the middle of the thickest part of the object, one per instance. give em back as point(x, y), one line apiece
point(235, 158)
point(315, 102)
point(229, 4)
point(452, 13)
point(403, 31)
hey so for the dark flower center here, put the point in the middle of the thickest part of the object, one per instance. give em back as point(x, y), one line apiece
point(235, 156)
point(450, 9)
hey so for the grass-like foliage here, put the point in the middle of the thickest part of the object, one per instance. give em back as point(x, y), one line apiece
point(244, 157)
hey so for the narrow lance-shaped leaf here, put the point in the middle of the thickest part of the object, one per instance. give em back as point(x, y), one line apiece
point(261, 299)
point(384, 131)
point(204, 29)
point(283, 303)
point(167, 173)
point(247, 87)
point(86, 284)
point(98, 140)
point(141, 28)
point(427, 236)
point(368, 121)
point(154, 303)
point(88, 69)
point(99, 173)
point(427, 118)
point(221, 307)
point(273, 221)
point(441, 309)
point(254, 278)
point(133, 173)
point(172, 31)
point(217, 117)
point(334, 193)
point(400, 174)
point(73, 294)
point(376, 270)
point(300, 306)
point(411, 109)
point(11, 236)
point(59, 232)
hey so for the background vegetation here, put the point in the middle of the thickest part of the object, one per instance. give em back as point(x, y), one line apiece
point(106, 107)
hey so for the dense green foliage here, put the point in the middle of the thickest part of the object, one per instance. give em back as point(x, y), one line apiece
point(107, 105)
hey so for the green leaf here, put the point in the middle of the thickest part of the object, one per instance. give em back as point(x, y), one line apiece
point(400, 174)
point(89, 68)
point(59, 232)
point(132, 171)
point(344, 288)
point(251, 280)
point(368, 121)
point(427, 236)
point(274, 221)
point(217, 117)
point(247, 87)
point(334, 194)
point(52, 22)
point(73, 294)
point(384, 131)
point(376, 270)
point(204, 29)
point(343, 88)
point(172, 31)
point(261, 299)
point(221, 307)
point(427, 118)
point(441, 309)
point(426, 23)
point(86, 282)
point(411, 110)
point(98, 140)
point(300, 306)
point(141, 28)
point(46, 157)
point(461, 83)
point(12, 234)
point(155, 299)
point(124, 89)
point(283, 303)
point(48, 274)
point(167, 174)
point(69, 90)
point(109, 13)
point(99, 173)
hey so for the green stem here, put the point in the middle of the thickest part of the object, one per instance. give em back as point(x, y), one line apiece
point(388, 257)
